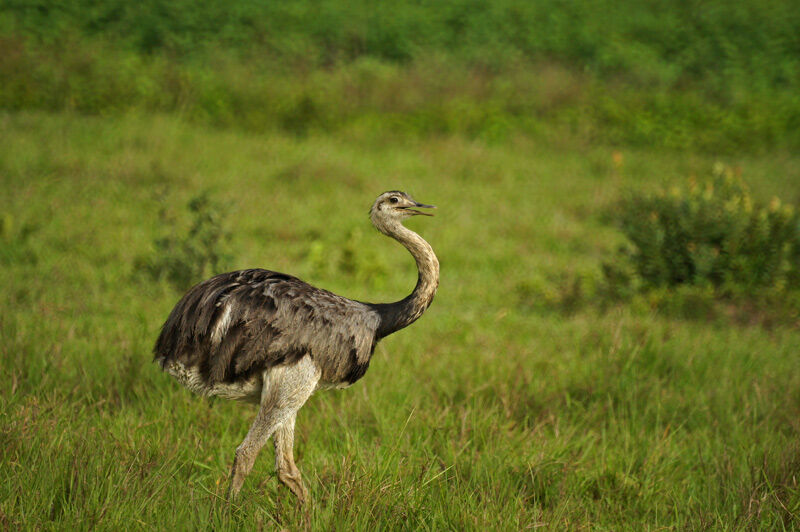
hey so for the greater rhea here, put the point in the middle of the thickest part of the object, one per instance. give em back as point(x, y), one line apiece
point(272, 339)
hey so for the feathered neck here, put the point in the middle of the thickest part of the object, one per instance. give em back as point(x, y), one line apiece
point(400, 314)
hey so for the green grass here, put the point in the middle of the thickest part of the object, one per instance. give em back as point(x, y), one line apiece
point(487, 413)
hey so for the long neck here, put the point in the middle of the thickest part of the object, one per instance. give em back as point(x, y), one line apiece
point(395, 316)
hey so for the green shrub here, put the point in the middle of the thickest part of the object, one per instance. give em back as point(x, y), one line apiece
point(711, 235)
point(186, 257)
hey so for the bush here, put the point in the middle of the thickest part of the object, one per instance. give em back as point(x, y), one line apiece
point(712, 236)
point(185, 258)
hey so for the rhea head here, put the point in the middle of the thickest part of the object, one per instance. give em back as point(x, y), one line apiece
point(393, 207)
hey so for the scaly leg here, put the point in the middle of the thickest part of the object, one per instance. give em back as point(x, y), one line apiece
point(284, 460)
point(286, 389)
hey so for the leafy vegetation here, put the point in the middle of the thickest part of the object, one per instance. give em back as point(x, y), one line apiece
point(712, 236)
point(712, 233)
point(677, 41)
point(185, 258)
point(720, 77)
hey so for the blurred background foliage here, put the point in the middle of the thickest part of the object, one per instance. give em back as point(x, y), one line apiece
point(720, 76)
point(712, 233)
point(185, 255)
point(710, 240)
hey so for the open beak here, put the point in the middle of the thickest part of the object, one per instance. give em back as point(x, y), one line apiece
point(421, 206)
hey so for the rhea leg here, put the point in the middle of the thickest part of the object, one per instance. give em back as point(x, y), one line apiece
point(284, 460)
point(286, 389)
point(246, 453)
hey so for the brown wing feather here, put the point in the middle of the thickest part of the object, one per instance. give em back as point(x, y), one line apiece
point(236, 324)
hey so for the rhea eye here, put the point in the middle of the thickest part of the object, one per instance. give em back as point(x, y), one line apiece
point(393, 200)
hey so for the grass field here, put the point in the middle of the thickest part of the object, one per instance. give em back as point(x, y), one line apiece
point(491, 412)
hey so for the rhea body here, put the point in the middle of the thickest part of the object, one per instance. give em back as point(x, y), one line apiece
point(270, 338)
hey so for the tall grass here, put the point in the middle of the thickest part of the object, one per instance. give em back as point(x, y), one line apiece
point(486, 414)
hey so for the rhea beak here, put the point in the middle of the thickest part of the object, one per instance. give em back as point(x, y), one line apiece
point(421, 206)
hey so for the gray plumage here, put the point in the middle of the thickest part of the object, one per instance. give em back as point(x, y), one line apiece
point(237, 324)
point(271, 338)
